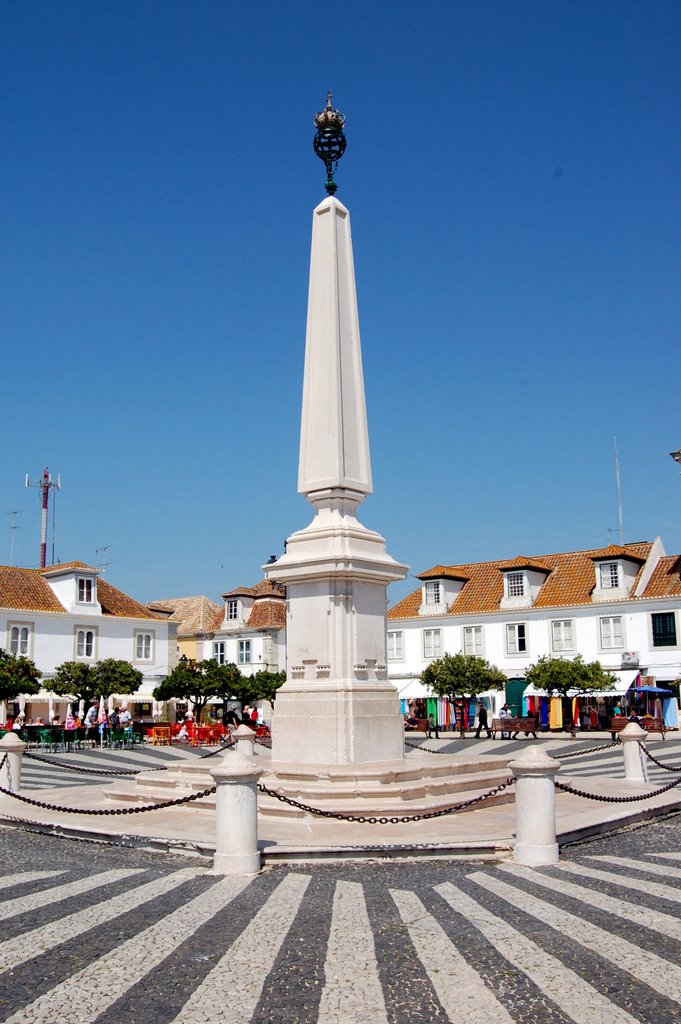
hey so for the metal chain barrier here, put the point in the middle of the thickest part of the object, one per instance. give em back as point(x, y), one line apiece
point(591, 750)
point(616, 799)
point(362, 819)
point(660, 764)
point(263, 742)
point(427, 750)
point(84, 771)
point(106, 810)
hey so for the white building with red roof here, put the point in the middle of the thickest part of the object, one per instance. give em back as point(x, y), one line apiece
point(620, 605)
point(249, 630)
point(67, 612)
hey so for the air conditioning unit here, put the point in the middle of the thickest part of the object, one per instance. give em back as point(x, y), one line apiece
point(630, 659)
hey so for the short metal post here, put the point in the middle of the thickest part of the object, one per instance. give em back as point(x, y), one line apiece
point(236, 815)
point(10, 775)
point(245, 740)
point(634, 768)
point(535, 807)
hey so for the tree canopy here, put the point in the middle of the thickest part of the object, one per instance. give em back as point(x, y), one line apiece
point(201, 681)
point(78, 680)
point(18, 675)
point(561, 676)
point(461, 675)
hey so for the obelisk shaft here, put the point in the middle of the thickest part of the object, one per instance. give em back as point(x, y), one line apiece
point(334, 441)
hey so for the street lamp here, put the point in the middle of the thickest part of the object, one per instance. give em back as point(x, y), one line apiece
point(676, 456)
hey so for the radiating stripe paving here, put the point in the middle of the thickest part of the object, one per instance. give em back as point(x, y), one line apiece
point(576, 998)
point(83, 886)
point(640, 963)
point(23, 877)
point(230, 992)
point(460, 989)
point(352, 982)
point(656, 920)
point(37, 941)
point(82, 997)
point(636, 865)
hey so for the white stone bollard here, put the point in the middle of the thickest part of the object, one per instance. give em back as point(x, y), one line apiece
point(245, 741)
point(634, 768)
point(10, 775)
point(236, 816)
point(535, 807)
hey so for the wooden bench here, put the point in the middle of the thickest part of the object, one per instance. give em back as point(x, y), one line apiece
point(650, 724)
point(514, 725)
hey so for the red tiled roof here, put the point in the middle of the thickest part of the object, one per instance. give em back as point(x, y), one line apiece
point(115, 602)
point(240, 592)
point(194, 614)
point(520, 562)
point(570, 582)
point(616, 551)
point(25, 589)
point(666, 578)
point(441, 572)
point(267, 615)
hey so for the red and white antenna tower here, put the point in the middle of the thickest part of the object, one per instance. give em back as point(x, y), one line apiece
point(46, 484)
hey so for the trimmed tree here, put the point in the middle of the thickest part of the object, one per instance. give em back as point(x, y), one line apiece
point(76, 680)
point(200, 681)
point(266, 685)
point(560, 677)
point(461, 675)
point(18, 676)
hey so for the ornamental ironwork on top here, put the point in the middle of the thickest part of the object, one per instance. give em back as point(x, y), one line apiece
point(329, 142)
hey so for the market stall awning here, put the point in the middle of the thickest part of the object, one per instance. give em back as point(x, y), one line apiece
point(623, 680)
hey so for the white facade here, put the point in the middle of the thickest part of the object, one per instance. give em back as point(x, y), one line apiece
point(66, 613)
point(251, 631)
point(630, 624)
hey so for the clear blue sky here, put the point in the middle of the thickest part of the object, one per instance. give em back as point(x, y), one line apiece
point(513, 173)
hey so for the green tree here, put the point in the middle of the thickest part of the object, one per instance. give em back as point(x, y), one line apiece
point(560, 676)
point(18, 675)
point(78, 681)
point(266, 685)
point(200, 681)
point(461, 675)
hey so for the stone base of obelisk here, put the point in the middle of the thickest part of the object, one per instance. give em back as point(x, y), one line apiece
point(337, 722)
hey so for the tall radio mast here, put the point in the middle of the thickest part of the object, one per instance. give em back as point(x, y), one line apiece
point(46, 484)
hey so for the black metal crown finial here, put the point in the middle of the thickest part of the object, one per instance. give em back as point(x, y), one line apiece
point(329, 142)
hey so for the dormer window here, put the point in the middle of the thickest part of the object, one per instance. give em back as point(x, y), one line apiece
point(515, 584)
point(609, 575)
point(433, 592)
point(232, 610)
point(86, 590)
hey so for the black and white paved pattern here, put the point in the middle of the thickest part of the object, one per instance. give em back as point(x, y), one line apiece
point(36, 773)
point(93, 933)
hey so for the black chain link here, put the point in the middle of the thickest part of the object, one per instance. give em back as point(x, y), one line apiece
point(660, 764)
point(84, 771)
point(362, 819)
point(104, 810)
point(579, 753)
point(264, 742)
point(616, 799)
point(428, 750)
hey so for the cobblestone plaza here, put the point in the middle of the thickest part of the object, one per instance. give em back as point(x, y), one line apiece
point(94, 932)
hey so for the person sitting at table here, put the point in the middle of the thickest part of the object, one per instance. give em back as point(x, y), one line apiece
point(18, 723)
point(40, 721)
point(183, 734)
point(56, 720)
point(410, 722)
point(125, 718)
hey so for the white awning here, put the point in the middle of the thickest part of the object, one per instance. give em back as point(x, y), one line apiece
point(408, 688)
point(623, 680)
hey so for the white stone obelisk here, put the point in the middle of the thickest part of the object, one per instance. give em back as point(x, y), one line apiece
point(337, 706)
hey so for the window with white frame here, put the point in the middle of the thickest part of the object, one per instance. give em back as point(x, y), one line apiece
point(144, 646)
point(472, 640)
point(609, 575)
point(219, 651)
point(86, 590)
point(561, 635)
point(85, 643)
point(395, 645)
point(244, 652)
point(433, 592)
point(19, 639)
point(664, 629)
point(432, 643)
point(515, 584)
point(612, 635)
point(516, 638)
point(232, 610)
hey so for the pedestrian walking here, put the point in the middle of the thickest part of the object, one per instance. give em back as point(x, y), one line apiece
point(483, 722)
